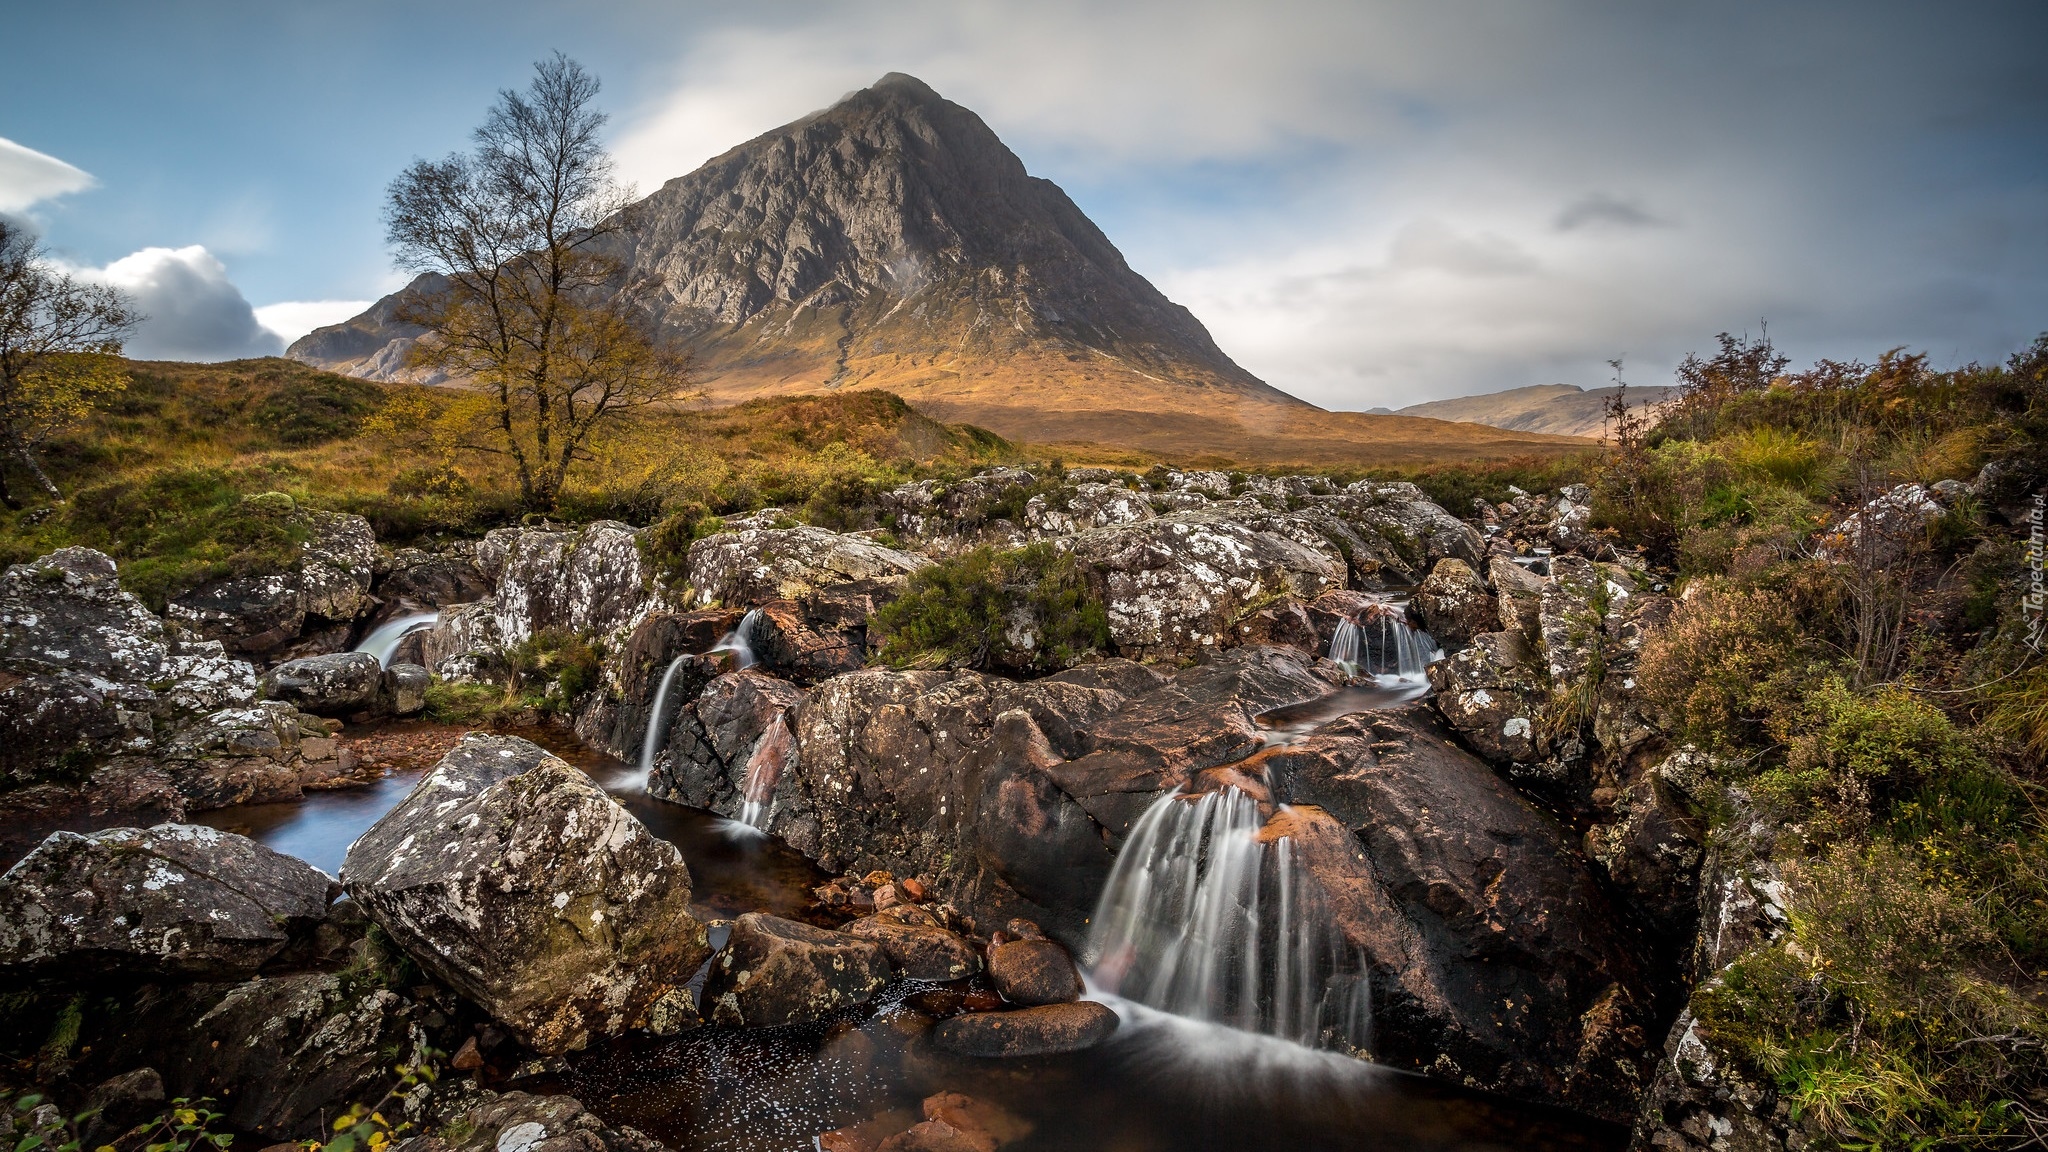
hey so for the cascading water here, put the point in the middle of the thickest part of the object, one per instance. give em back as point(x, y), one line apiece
point(764, 770)
point(1381, 643)
point(1203, 917)
point(657, 714)
point(383, 641)
point(740, 640)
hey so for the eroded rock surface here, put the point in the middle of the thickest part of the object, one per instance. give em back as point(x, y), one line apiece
point(775, 971)
point(513, 878)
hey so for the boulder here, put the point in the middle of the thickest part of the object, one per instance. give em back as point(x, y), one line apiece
point(718, 734)
point(916, 945)
point(418, 580)
point(176, 899)
point(1493, 693)
point(284, 1054)
point(1652, 848)
point(1571, 621)
point(1571, 519)
point(1883, 529)
point(1520, 597)
point(308, 609)
point(775, 971)
point(403, 691)
point(1032, 972)
point(1043, 1031)
point(519, 1122)
point(784, 644)
point(837, 579)
point(592, 581)
point(512, 878)
point(1079, 507)
point(1177, 585)
point(339, 684)
point(1454, 605)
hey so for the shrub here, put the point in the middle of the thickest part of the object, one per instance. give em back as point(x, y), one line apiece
point(665, 545)
point(1026, 609)
point(1849, 755)
point(1721, 663)
point(1868, 1015)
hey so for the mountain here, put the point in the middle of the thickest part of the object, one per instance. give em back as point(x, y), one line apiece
point(893, 241)
point(1553, 409)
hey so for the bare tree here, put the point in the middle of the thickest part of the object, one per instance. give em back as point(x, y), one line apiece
point(60, 349)
point(522, 307)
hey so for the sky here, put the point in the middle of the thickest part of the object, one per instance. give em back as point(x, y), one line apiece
point(1369, 204)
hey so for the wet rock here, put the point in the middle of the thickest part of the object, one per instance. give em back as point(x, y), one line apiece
point(1492, 692)
point(775, 971)
point(1652, 849)
point(1454, 605)
point(786, 645)
point(176, 899)
point(1032, 972)
point(512, 878)
point(633, 678)
point(518, 1122)
point(1489, 941)
point(285, 1053)
point(463, 645)
point(838, 579)
point(338, 684)
point(403, 691)
point(1043, 1031)
point(716, 736)
point(1286, 624)
point(988, 1125)
point(916, 945)
point(1177, 585)
point(419, 580)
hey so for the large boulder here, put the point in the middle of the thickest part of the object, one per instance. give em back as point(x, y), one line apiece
point(417, 580)
point(1495, 956)
point(337, 684)
point(1175, 586)
point(775, 971)
point(728, 725)
point(1493, 692)
point(307, 609)
point(590, 581)
point(512, 878)
point(837, 579)
point(176, 899)
point(1454, 605)
point(917, 945)
point(1043, 1031)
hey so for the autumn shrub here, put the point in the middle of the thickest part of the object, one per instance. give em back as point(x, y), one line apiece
point(1024, 609)
point(1849, 755)
point(1725, 659)
point(665, 545)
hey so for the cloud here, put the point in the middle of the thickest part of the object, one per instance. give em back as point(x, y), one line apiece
point(28, 176)
point(292, 319)
point(194, 310)
point(1599, 210)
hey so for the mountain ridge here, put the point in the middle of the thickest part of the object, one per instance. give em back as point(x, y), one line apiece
point(1549, 409)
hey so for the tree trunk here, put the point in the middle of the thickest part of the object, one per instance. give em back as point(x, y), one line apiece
point(27, 456)
point(6, 493)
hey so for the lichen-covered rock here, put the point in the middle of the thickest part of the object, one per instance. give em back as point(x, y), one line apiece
point(1883, 529)
point(1493, 693)
point(337, 684)
point(1520, 596)
point(1083, 506)
point(176, 899)
point(1175, 586)
point(1571, 621)
point(837, 578)
point(518, 1122)
point(309, 609)
point(515, 880)
point(1454, 605)
point(591, 581)
point(463, 645)
point(403, 691)
point(775, 971)
point(1571, 519)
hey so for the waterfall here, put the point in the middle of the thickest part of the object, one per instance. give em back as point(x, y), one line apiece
point(1203, 918)
point(765, 766)
point(383, 641)
point(1344, 645)
point(740, 640)
point(1381, 643)
point(651, 743)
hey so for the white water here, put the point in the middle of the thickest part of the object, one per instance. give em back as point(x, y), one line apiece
point(740, 640)
point(1202, 919)
point(764, 770)
point(656, 713)
point(1382, 644)
point(383, 642)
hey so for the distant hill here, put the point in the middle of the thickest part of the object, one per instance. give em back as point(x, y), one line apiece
point(1553, 409)
point(892, 241)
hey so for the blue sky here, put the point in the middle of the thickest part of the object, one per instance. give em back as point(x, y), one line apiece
point(1368, 203)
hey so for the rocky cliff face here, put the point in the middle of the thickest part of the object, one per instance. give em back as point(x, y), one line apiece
point(889, 240)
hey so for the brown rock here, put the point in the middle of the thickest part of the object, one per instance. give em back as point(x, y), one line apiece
point(1041, 1031)
point(938, 1136)
point(467, 1058)
point(914, 889)
point(967, 1114)
point(877, 878)
point(1034, 972)
point(775, 971)
point(921, 951)
point(885, 897)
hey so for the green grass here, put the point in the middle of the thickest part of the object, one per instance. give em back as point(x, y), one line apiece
point(959, 612)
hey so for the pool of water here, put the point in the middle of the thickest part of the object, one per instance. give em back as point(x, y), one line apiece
point(733, 868)
point(1160, 1083)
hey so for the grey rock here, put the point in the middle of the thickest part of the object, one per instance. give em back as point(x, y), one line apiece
point(176, 899)
point(404, 689)
point(1454, 605)
point(519, 1122)
point(337, 684)
point(514, 879)
point(838, 578)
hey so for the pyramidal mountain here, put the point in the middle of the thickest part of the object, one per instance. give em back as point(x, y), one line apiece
point(893, 241)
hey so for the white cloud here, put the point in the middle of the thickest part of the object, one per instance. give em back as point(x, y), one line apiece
point(294, 318)
point(28, 176)
point(194, 310)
